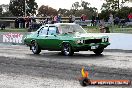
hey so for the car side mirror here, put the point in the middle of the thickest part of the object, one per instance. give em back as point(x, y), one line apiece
point(55, 35)
point(38, 33)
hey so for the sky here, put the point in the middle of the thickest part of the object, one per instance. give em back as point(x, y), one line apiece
point(65, 3)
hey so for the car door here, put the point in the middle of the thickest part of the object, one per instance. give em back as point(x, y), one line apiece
point(41, 38)
point(52, 38)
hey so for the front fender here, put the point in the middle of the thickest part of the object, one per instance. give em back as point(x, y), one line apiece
point(72, 43)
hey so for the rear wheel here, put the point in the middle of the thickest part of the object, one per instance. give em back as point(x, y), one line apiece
point(67, 49)
point(98, 51)
point(35, 48)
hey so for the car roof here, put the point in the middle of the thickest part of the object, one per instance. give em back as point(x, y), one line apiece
point(58, 24)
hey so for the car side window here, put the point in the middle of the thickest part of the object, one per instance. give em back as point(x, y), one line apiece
point(43, 31)
point(66, 28)
point(52, 30)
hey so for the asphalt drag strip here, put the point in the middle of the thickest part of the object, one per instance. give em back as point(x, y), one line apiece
point(19, 68)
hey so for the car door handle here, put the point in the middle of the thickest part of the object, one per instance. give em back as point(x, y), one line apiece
point(46, 36)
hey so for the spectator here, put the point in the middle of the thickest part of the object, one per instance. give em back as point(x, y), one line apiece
point(73, 18)
point(33, 22)
point(21, 22)
point(93, 21)
point(130, 17)
point(24, 21)
point(70, 19)
point(122, 22)
point(83, 17)
point(102, 22)
point(117, 20)
point(104, 29)
point(28, 21)
point(59, 18)
point(111, 19)
point(52, 19)
point(55, 19)
point(2, 26)
point(17, 23)
point(97, 19)
point(48, 20)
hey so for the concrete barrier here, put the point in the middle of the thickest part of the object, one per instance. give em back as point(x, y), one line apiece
point(118, 40)
point(15, 38)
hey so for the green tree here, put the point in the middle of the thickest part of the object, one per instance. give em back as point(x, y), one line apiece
point(85, 4)
point(123, 12)
point(115, 7)
point(83, 8)
point(4, 10)
point(76, 6)
point(47, 11)
point(17, 7)
point(64, 12)
point(114, 4)
point(1, 10)
point(105, 14)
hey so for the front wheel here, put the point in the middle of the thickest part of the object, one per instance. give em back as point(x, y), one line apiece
point(67, 49)
point(35, 48)
point(85, 82)
point(98, 51)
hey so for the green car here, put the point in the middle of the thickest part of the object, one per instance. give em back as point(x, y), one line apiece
point(65, 37)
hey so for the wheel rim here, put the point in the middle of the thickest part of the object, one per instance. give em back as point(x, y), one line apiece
point(67, 49)
point(34, 47)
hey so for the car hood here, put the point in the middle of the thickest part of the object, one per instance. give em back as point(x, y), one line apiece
point(89, 36)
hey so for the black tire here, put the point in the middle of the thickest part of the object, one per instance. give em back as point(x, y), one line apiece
point(98, 51)
point(85, 82)
point(35, 48)
point(67, 49)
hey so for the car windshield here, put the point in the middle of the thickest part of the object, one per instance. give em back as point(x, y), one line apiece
point(71, 29)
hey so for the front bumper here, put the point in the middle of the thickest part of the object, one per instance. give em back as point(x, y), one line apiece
point(85, 47)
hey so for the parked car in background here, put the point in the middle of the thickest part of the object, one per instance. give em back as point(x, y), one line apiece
point(65, 37)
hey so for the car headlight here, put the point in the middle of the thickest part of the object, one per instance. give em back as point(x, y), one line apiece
point(79, 41)
point(105, 39)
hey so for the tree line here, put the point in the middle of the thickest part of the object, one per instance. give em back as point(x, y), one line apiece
point(19, 7)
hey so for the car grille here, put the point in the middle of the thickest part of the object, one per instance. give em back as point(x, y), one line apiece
point(92, 41)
